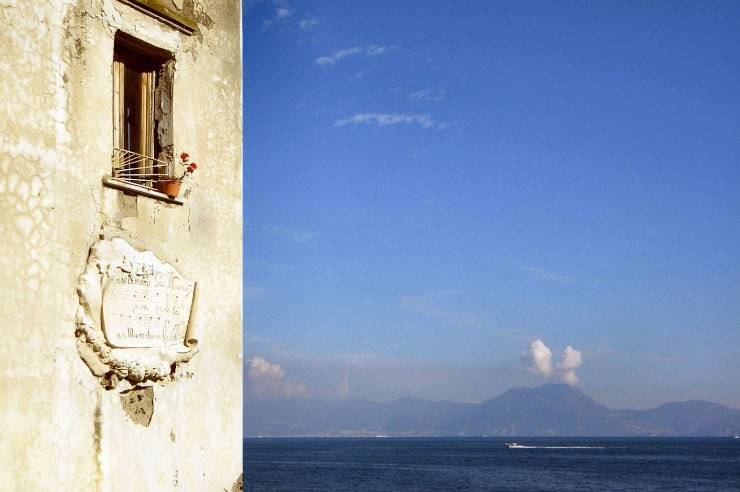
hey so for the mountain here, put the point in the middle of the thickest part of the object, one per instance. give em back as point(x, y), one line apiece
point(552, 409)
point(548, 410)
point(310, 417)
point(688, 418)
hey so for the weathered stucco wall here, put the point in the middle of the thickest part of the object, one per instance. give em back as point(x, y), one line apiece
point(61, 429)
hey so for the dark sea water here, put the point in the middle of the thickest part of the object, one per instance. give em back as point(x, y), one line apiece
point(419, 464)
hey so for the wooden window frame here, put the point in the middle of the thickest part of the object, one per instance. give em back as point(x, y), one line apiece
point(144, 131)
point(142, 153)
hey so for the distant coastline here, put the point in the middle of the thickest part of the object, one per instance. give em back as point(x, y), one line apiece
point(546, 411)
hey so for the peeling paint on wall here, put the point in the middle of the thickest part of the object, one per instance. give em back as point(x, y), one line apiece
point(138, 403)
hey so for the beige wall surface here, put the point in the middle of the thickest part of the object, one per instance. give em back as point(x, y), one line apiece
point(60, 428)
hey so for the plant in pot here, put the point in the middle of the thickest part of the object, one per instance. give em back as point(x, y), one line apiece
point(171, 187)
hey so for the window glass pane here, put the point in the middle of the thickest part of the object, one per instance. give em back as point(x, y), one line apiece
point(132, 110)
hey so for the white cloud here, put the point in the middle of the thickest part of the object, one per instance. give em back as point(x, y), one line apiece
point(429, 306)
point(376, 50)
point(308, 23)
point(336, 55)
point(257, 263)
point(357, 75)
point(296, 236)
point(259, 368)
point(384, 379)
point(281, 14)
point(544, 274)
point(267, 379)
point(570, 360)
point(540, 358)
point(390, 119)
point(427, 95)
point(569, 377)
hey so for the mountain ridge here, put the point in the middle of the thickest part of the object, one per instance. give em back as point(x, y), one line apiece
point(547, 410)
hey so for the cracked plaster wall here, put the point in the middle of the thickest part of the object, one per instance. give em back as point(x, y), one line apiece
point(62, 430)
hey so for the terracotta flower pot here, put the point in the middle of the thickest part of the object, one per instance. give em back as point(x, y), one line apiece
point(170, 188)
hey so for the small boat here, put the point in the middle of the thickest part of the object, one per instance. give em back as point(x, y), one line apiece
point(512, 445)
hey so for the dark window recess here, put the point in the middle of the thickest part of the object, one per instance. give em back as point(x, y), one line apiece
point(142, 112)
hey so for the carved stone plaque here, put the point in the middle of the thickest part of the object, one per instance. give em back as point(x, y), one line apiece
point(150, 309)
point(134, 317)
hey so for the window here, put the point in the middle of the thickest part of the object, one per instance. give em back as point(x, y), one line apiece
point(142, 113)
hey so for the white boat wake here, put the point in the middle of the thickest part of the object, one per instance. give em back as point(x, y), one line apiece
point(519, 446)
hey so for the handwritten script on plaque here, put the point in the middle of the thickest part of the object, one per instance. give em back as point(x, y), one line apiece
point(149, 309)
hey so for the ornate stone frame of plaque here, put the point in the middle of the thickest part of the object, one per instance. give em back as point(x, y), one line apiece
point(134, 319)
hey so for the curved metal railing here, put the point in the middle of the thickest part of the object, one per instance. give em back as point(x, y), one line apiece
point(140, 169)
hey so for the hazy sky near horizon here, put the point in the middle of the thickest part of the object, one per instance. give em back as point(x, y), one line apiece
point(431, 186)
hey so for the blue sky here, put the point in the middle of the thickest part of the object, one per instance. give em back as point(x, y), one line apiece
point(432, 186)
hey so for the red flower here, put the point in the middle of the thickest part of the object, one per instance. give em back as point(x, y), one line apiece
point(184, 156)
point(193, 165)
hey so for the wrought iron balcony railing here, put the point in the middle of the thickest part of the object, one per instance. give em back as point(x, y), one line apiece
point(140, 169)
